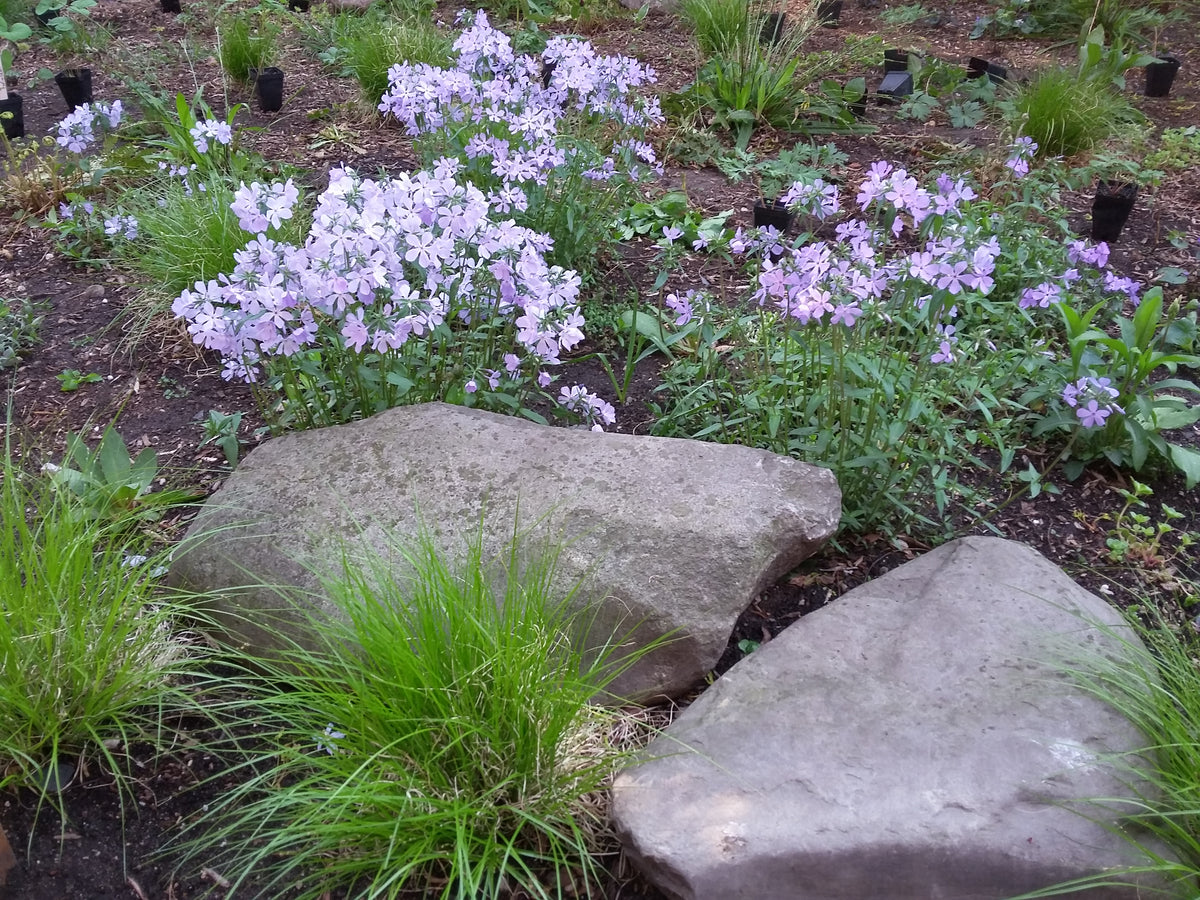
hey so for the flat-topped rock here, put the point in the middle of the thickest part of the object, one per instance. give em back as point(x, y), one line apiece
point(911, 740)
point(672, 536)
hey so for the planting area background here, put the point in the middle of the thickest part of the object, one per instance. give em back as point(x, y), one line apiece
point(157, 387)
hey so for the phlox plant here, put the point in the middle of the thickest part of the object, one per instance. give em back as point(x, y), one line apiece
point(403, 291)
point(556, 141)
point(440, 734)
point(895, 351)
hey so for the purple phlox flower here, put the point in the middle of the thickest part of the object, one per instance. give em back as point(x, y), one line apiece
point(815, 197)
point(471, 387)
point(1021, 152)
point(1082, 252)
point(594, 411)
point(671, 233)
point(210, 130)
point(700, 243)
point(681, 306)
point(1092, 399)
point(124, 225)
point(944, 353)
point(1041, 296)
point(953, 277)
point(846, 314)
point(1115, 283)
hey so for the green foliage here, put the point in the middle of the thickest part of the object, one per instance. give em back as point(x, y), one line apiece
point(88, 657)
point(62, 13)
point(378, 44)
point(222, 430)
point(719, 25)
point(20, 321)
point(16, 31)
point(671, 210)
point(246, 42)
point(908, 14)
point(1134, 538)
point(70, 380)
point(106, 485)
point(1151, 679)
point(1127, 22)
point(440, 733)
point(1139, 354)
point(1179, 148)
point(750, 84)
point(1064, 112)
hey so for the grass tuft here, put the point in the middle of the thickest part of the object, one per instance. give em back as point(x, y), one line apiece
point(441, 735)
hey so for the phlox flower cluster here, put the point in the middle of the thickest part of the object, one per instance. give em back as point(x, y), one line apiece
point(392, 271)
point(259, 207)
point(594, 411)
point(1092, 399)
point(77, 132)
point(219, 133)
point(514, 121)
point(840, 282)
point(1020, 154)
point(124, 225)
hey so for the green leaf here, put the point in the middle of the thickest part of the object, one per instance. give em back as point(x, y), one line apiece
point(649, 326)
point(1186, 461)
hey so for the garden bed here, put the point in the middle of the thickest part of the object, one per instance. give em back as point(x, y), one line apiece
point(100, 358)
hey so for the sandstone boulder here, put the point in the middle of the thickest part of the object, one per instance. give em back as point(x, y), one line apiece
point(911, 740)
point(671, 536)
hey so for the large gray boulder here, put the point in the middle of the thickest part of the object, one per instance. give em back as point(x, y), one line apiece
point(911, 740)
point(672, 536)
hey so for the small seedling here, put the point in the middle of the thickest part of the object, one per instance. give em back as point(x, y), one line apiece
point(72, 379)
point(221, 429)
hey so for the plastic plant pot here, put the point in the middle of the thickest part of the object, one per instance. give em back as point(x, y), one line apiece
point(76, 86)
point(772, 28)
point(299, 5)
point(773, 214)
point(12, 116)
point(269, 87)
point(828, 12)
point(1161, 75)
point(1111, 209)
point(170, 6)
point(895, 85)
point(548, 72)
point(977, 67)
point(895, 61)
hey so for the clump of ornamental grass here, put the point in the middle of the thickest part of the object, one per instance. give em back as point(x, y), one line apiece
point(440, 734)
point(375, 45)
point(717, 24)
point(1065, 112)
point(1152, 679)
point(90, 658)
point(246, 42)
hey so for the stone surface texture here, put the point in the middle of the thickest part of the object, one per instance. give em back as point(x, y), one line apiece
point(911, 740)
point(670, 536)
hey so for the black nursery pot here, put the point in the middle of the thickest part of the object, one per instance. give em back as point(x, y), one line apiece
point(76, 86)
point(828, 12)
point(14, 125)
point(298, 5)
point(269, 87)
point(772, 28)
point(772, 214)
point(170, 6)
point(895, 85)
point(977, 67)
point(1161, 75)
point(895, 61)
point(1111, 209)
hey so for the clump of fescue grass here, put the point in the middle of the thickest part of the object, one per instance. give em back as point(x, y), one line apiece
point(244, 44)
point(376, 45)
point(89, 657)
point(1066, 113)
point(188, 234)
point(718, 24)
point(1153, 680)
point(441, 735)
